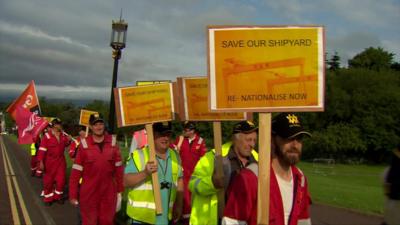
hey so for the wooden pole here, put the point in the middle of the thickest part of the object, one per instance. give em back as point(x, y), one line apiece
point(219, 171)
point(154, 176)
point(87, 131)
point(264, 168)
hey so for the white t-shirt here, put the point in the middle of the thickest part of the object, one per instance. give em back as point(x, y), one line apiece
point(286, 188)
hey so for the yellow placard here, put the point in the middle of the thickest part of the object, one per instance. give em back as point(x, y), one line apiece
point(144, 104)
point(196, 102)
point(266, 68)
point(84, 117)
point(148, 82)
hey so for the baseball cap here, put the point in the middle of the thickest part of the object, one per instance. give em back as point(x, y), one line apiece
point(288, 125)
point(94, 118)
point(56, 121)
point(244, 127)
point(162, 128)
point(189, 125)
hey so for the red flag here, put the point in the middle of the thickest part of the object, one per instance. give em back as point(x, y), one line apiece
point(30, 125)
point(28, 99)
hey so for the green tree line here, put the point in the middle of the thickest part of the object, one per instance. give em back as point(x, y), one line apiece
point(360, 122)
point(362, 114)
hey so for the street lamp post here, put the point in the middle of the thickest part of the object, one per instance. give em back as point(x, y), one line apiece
point(118, 40)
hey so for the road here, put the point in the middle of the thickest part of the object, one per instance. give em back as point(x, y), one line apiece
point(24, 205)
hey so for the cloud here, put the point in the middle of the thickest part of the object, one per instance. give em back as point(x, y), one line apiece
point(350, 44)
point(368, 13)
point(64, 45)
point(53, 92)
point(392, 46)
point(353, 43)
point(9, 29)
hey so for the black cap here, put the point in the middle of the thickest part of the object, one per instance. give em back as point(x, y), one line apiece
point(244, 127)
point(189, 125)
point(288, 125)
point(94, 118)
point(56, 121)
point(162, 128)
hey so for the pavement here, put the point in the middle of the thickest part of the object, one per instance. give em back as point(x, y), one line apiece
point(26, 207)
point(329, 215)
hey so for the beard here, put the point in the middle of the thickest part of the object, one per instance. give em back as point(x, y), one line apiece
point(290, 157)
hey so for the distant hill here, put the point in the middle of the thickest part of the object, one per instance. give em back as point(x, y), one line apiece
point(4, 102)
point(76, 102)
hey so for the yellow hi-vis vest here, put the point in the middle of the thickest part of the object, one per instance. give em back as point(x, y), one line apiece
point(141, 205)
point(204, 195)
point(33, 149)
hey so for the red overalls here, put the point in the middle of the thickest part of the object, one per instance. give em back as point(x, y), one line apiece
point(190, 153)
point(35, 170)
point(102, 174)
point(51, 152)
point(74, 148)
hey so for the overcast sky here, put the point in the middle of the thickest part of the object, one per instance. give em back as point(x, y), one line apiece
point(63, 45)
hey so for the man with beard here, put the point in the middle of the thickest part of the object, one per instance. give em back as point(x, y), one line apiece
point(289, 196)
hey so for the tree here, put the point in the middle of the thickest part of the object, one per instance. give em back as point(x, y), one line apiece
point(361, 115)
point(338, 141)
point(373, 59)
point(98, 106)
point(395, 66)
point(334, 62)
point(66, 111)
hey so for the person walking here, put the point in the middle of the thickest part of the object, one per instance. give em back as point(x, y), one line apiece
point(191, 148)
point(98, 162)
point(391, 213)
point(73, 149)
point(52, 161)
point(289, 197)
point(35, 170)
point(204, 183)
point(137, 177)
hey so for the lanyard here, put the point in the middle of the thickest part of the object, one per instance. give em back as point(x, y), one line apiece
point(164, 183)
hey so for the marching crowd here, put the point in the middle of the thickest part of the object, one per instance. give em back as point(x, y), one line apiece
point(189, 184)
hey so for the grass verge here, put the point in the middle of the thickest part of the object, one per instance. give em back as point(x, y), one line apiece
point(357, 187)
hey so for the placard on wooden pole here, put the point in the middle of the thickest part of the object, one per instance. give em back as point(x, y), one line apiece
point(84, 119)
point(154, 176)
point(146, 104)
point(264, 167)
point(266, 69)
point(219, 172)
point(193, 104)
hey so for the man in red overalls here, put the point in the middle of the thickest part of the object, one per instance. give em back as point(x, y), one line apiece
point(73, 149)
point(52, 161)
point(191, 148)
point(98, 163)
point(35, 171)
